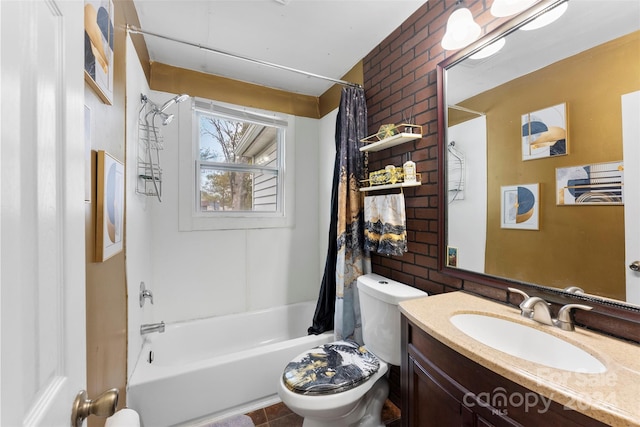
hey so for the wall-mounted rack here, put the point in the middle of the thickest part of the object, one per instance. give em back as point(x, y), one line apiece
point(399, 135)
point(393, 135)
point(390, 186)
point(150, 142)
point(149, 171)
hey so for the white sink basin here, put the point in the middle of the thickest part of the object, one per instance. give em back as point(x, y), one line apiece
point(527, 343)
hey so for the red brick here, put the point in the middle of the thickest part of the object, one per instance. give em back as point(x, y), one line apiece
point(415, 270)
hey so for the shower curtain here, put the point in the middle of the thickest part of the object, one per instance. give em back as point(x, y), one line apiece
point(338, 306)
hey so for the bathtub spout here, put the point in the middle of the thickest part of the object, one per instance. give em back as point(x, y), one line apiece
point(147, 328)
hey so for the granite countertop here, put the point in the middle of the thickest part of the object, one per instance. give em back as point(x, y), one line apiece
point(612, 397)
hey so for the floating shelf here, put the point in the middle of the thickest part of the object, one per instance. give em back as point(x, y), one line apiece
point(390, 186)
point(392, 141)
point(374, 143)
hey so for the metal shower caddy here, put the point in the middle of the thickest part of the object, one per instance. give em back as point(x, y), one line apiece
point(151, 142)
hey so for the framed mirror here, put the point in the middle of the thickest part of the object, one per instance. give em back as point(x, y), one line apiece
point(540, 153)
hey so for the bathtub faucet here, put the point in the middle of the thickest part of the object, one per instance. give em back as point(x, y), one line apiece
point(147, 328)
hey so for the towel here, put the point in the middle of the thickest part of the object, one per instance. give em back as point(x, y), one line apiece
point(385, 229)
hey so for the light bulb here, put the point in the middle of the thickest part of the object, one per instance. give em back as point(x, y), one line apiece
point(489, 50)
point(547, 18)
point(462, 30)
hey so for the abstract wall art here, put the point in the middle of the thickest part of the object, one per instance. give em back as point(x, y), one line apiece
point(544, 133)
point(98, 47)
point(109, 206)
point(520, 207)
point(594, 184)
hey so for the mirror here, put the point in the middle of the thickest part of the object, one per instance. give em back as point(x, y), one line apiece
point(535, 170)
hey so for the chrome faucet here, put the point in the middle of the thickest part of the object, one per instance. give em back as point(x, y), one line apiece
point(564, 320)
point(148, 328)
point(534, 308)
point(538, 309)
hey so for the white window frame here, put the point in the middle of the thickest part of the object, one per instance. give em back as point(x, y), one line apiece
point(191, 218)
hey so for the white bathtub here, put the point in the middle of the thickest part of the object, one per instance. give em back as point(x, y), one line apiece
point(212, 368)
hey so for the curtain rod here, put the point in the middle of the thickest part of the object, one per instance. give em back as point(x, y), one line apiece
point(136, 30)
point(457, 107)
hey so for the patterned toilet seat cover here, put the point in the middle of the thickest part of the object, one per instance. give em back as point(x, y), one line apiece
point(330, 368)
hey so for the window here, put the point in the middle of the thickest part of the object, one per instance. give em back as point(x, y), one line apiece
point(239, 164)
point(239, 157)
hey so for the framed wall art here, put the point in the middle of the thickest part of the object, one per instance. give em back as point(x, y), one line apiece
point(109, 206)
point(87, 154)
point(98, 47)
point(544, 133)
point(594, 184)
point(452, 257)
point(520, 206)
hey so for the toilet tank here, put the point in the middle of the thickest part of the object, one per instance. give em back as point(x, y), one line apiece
point(379, 298)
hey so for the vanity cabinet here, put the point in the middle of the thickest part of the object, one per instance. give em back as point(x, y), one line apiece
point(442, 388)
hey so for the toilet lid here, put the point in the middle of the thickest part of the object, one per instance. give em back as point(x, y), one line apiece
point(330, 368)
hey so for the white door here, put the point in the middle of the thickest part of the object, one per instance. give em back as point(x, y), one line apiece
point(42, 255)
point(631, 155)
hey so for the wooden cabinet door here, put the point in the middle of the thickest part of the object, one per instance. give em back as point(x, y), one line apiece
point(432, 404)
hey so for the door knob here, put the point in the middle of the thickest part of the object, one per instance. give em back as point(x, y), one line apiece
point(635, 266)
point(102, 406)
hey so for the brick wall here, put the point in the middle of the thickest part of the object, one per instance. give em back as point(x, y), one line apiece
point(400, 81)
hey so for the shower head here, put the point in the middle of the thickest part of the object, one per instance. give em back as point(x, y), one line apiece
point(166, 118)
point(175, 100)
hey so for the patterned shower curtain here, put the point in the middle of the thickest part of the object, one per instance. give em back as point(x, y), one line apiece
point(338, 306)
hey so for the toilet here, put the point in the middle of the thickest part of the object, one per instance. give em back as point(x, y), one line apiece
point(343, 384)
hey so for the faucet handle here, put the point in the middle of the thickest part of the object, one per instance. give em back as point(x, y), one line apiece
point(564, 321)
point(145, 293)
point(525, 312)
point(527, 303)
point(519, 292)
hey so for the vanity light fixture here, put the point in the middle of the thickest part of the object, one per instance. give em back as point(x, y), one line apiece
point(502, 8)
point(489, 50)
point(547, 18)
point(462, 30)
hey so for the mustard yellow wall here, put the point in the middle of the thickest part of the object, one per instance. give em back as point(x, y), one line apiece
point(581, 245)
point(179, 80)
point(330, 100)
point(106, 286)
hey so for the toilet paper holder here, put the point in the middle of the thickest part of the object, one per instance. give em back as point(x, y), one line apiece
point(102, 406)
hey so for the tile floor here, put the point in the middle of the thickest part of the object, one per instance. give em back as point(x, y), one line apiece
point(279, 415)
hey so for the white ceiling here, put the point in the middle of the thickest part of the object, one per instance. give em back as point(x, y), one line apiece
point(325, 37)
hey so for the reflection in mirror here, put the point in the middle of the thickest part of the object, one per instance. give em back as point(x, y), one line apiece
point(554, 110)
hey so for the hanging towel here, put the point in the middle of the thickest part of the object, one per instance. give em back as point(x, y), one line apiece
point(385, 229)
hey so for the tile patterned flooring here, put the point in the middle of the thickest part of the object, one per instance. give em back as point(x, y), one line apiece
point(279, 415)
